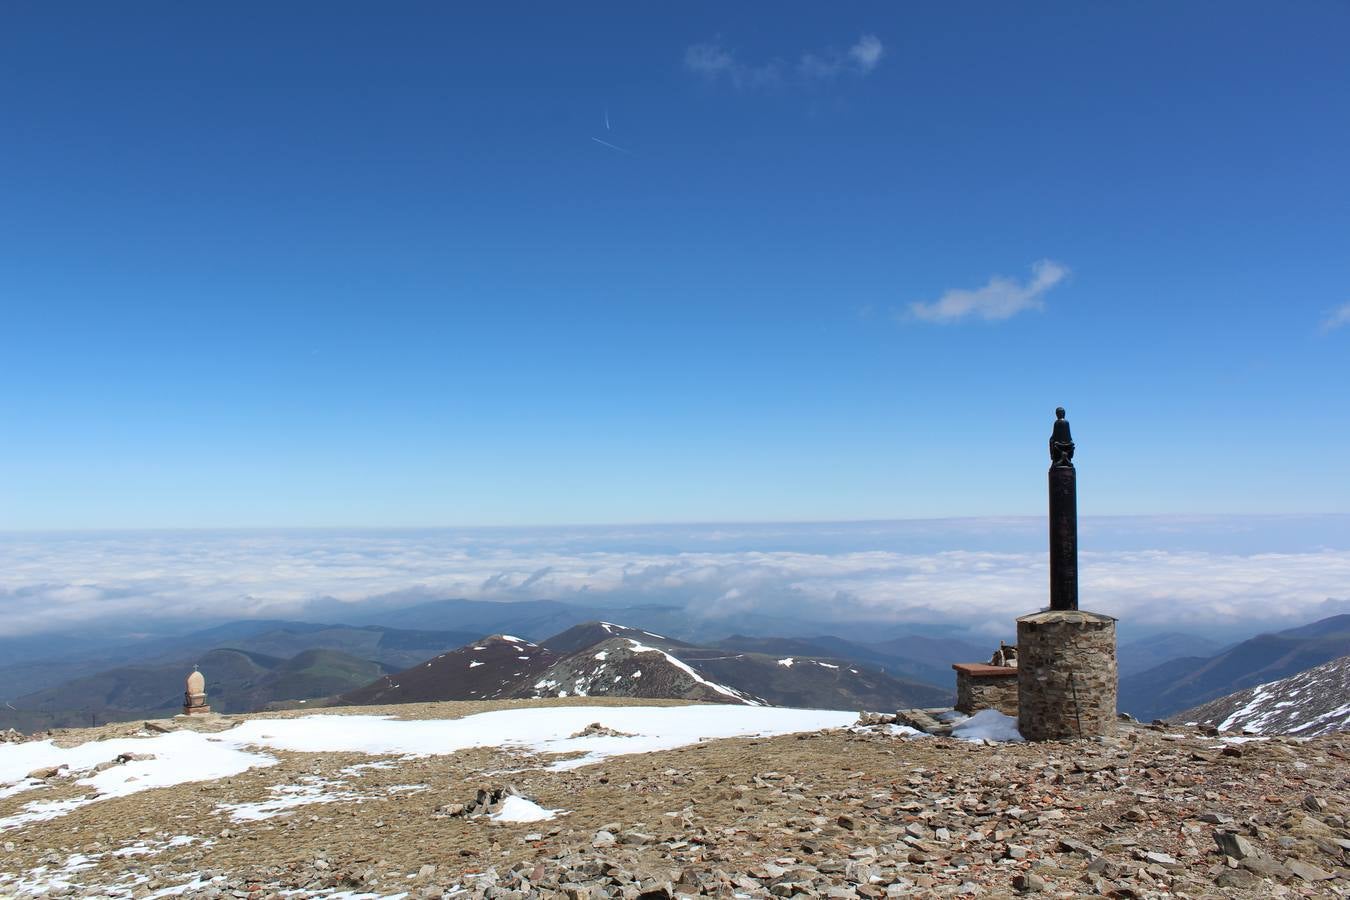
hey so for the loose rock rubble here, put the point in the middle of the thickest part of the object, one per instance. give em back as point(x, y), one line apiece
point(485, 802)
point(595, 729)
point(874, 719)
point(1153, 812)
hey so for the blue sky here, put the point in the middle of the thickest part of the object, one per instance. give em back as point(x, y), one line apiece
point(327, 264)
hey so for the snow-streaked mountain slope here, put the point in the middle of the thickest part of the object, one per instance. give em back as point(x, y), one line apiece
point(1313, 702)
point(604, 659)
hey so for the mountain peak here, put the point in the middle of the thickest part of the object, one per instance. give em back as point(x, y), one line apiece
point(602, 658)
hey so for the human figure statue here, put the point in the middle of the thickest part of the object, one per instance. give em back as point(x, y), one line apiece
point(1063, 485)
point(1061, 441)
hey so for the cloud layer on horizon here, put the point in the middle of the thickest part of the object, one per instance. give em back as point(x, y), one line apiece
point(65, 583)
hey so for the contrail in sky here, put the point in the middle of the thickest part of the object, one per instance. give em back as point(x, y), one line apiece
point(607, 118)
point(609, 145)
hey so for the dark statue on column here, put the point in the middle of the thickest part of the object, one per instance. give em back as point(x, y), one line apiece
point(1063, 517)
point(1061, 441)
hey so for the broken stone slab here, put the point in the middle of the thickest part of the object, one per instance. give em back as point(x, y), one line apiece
point(1028, 883)
point(1235, 845)
point(1307, 871)
point(1236, 878)
point(924, 720)
point(1266, 867)
point(1156, 858)
point(1069, 845)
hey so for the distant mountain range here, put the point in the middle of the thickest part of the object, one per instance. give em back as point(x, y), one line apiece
point(240, 681)
point(1144, 653)
point(1310, 703)
point(47, 681)
point(612, 660)
point(392, 647)
point(1182, 683)
point(400, 637)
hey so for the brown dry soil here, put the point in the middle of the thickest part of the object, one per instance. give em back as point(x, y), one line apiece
point(840, 813)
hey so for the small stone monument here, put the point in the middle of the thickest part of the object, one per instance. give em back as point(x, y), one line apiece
point(1066, 657)
point(194, 698)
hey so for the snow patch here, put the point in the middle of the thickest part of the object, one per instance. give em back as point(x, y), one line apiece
point(639, 647)
point(988, 725)
point(189, 756)
point(518, 809)
point(286, 797)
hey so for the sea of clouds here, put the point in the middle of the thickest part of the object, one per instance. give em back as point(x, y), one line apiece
point(1187, 572)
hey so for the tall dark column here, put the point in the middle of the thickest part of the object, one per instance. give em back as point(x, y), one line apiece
point(1063, 517)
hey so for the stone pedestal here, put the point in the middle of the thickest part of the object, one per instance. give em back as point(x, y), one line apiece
point(980, 686)
point(1066, 675)
point(195, 706)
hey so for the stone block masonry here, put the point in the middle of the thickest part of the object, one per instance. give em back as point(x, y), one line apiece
point(980, 686)
point(1066, 675)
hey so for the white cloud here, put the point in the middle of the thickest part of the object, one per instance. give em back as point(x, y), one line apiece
point(867, 52)
point(1001, 298)
point(715, 62)
point(888, 571)
point(708, 59)
point(1338, 317)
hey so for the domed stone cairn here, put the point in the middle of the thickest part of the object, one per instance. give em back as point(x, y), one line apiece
point(194, 698)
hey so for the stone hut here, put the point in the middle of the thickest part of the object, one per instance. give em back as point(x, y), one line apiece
point(982, 686)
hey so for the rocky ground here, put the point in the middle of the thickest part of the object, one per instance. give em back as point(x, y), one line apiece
point(1152, 812)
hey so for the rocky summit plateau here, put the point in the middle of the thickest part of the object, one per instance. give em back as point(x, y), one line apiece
point(620, 797)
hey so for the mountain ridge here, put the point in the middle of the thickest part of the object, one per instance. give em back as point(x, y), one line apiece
point(603, 658)
point(1310, 703)
point(1188, 682)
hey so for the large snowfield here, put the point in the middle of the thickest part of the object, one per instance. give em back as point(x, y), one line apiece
point(188, 756)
